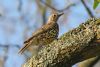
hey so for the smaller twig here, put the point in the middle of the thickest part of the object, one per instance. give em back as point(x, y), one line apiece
point(44, 17)
point(66, 8)
point(43, 11)
point(61, 10)
point(6, 52)
point(87, 9)
point(6, 46)
point(20, 5)
point(48, 5)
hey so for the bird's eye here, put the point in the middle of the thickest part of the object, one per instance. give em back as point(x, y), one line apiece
point(54, 15)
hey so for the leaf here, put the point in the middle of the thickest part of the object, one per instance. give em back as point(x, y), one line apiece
point(96, 3)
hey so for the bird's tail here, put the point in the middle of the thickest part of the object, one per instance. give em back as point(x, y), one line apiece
point(23, 48)
point(27, 43)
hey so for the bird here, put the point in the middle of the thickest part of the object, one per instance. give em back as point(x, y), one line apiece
point(44, 35)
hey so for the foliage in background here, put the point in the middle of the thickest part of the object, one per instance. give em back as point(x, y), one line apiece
point(96, 3)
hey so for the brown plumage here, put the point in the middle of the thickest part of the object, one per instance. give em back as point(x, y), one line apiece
point(45, 35)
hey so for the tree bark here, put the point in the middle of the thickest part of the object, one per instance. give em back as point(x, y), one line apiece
point(74, 46)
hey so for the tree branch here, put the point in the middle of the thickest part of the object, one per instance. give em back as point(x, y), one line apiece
point(87, 9)
point(53, 8)
point(8, 45)
point(74, 46)
point(20, 5)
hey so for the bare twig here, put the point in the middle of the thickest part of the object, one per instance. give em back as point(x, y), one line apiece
point(87, 9)
point(7, 45)
point(42, 9)
point(6, 52)
point(11, 45)
point(48, 5)
point(61, 10)
point(20, 5)
point(44, 17)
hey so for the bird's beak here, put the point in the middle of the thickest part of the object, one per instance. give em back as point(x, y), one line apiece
point(60, 14)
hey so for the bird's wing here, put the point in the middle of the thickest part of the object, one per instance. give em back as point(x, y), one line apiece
point(39, 31)
point(29, 41)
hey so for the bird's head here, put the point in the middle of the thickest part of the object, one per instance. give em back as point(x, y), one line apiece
point(54, 17)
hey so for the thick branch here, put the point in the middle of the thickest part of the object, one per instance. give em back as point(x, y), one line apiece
point(77, 45)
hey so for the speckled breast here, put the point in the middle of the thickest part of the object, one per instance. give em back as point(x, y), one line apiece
point(49, 35)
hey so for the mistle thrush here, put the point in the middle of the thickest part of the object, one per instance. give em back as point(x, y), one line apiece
point(45, 35)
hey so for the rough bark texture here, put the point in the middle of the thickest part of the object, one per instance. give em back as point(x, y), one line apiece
point(74, 46)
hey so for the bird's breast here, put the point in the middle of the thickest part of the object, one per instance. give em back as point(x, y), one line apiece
point(49, 35)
